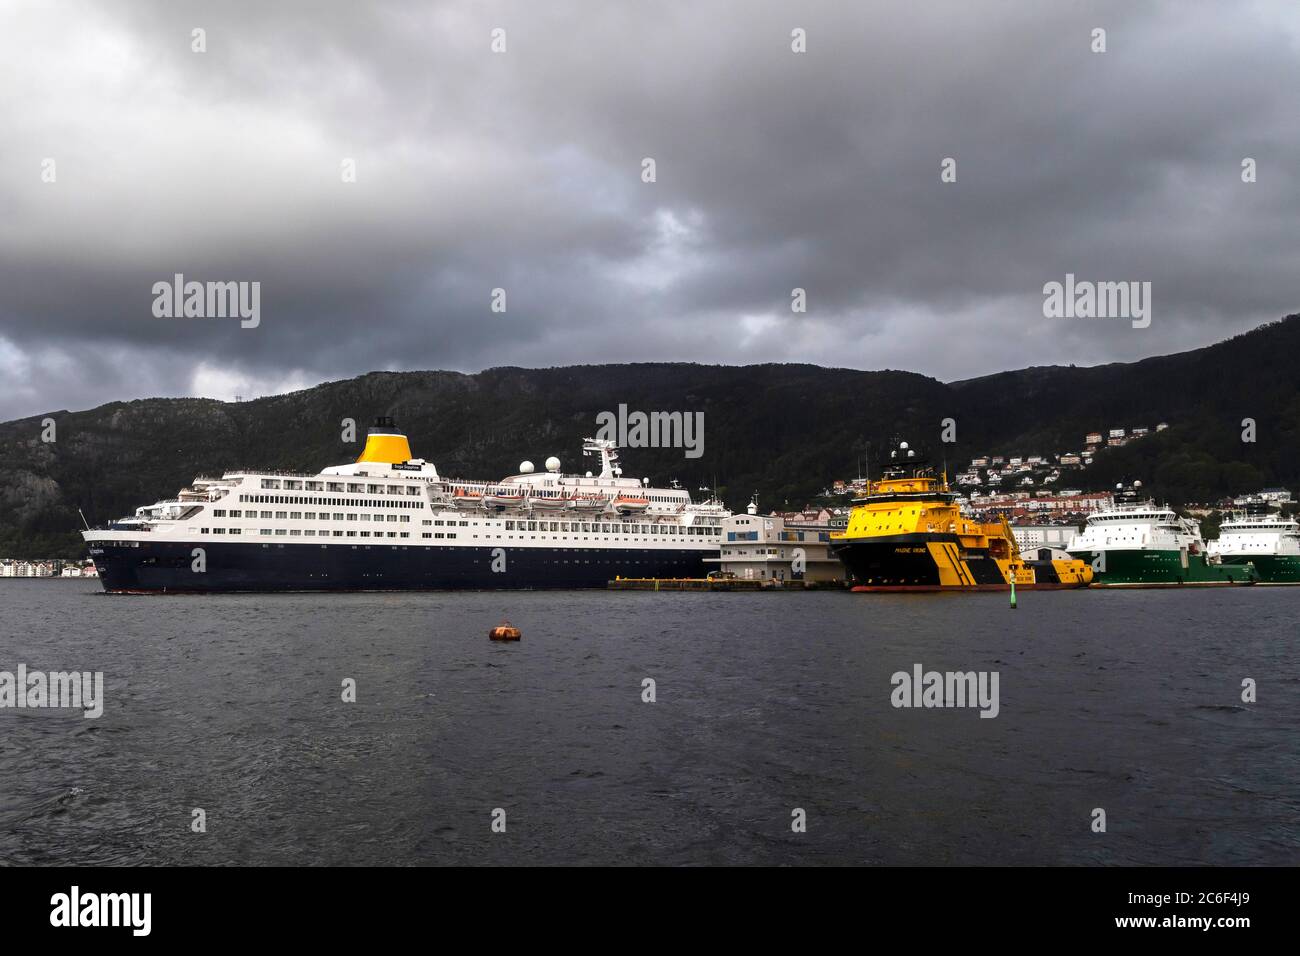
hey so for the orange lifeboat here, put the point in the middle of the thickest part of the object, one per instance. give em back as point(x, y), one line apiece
point(505, 631)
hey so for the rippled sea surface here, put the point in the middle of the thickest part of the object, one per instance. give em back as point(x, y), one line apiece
point(1125, 701)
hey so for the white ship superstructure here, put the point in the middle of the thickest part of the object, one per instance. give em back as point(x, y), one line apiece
point(1138, 526)
point(1262, 534)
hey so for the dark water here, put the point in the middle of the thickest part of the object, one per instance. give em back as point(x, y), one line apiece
point(1128, 701)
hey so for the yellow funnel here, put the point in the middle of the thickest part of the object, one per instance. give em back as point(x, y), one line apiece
point(385, 444)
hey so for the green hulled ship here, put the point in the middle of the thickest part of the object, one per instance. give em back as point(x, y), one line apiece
point(1268, 542)
point(1144, 545)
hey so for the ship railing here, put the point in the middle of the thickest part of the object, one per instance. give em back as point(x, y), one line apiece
point(244, 472)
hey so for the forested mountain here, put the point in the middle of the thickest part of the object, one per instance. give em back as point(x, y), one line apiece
point(783, 431)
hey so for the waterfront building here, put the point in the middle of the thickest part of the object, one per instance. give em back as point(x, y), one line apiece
point(768, 548)
point(1031, 537)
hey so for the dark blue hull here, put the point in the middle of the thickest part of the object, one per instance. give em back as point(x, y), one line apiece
point(168, 567)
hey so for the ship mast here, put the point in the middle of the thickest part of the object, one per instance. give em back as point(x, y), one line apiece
point(608, 451)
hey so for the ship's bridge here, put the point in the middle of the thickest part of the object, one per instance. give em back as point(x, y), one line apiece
point(910, 485)
point(907, 478)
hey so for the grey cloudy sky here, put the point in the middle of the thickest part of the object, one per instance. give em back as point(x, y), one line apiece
point(522, 170)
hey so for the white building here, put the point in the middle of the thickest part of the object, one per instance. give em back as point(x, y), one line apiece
point(765, 547)
point(1031, 537)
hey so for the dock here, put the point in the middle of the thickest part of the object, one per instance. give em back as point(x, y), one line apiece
point(719, 584)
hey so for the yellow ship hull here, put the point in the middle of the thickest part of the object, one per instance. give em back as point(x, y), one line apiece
point(941, 562)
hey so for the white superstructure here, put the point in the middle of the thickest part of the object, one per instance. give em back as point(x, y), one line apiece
point(1257, 535)
point(1138, 527)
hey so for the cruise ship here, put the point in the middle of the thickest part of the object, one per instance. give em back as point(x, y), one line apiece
point(908, 533)
point(1145, 545)
point(1269, 542)
point(389, 521)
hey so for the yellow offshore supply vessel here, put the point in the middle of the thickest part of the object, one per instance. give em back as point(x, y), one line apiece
point(908, 534)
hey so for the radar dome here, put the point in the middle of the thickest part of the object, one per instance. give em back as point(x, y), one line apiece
point(1137, 484)
point(902, 444)
point(525, 468)
point(552, 464)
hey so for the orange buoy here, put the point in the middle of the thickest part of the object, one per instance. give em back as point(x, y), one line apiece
point(505, 631)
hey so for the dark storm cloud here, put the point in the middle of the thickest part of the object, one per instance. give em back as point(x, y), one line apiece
point(522, 170)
